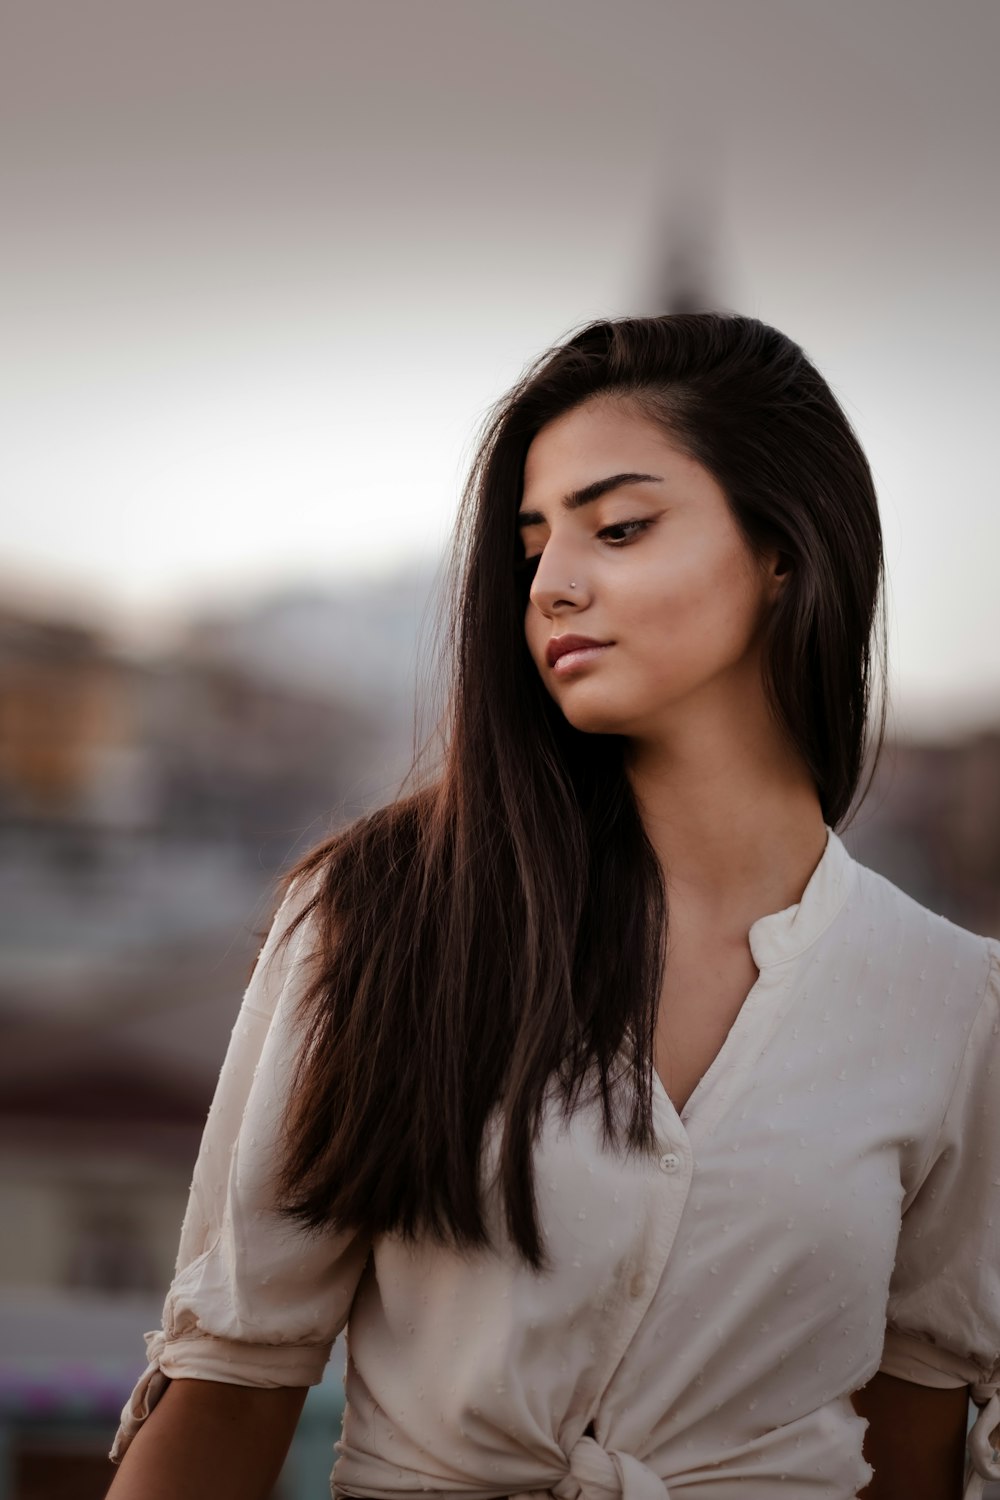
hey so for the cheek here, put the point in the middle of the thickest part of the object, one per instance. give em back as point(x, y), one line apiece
point(706, 608)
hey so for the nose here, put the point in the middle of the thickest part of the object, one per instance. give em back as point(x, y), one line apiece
point(551, 602)
point(551, 588)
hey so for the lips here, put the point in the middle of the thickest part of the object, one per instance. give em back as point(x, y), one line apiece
point(559, 645)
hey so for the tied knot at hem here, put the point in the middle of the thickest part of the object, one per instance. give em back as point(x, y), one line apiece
point(984, 1439)
point(597, 1474)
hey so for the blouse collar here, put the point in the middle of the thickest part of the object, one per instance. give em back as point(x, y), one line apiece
point(785, 934)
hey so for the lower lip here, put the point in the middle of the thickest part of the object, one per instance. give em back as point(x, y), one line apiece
point(570, 660)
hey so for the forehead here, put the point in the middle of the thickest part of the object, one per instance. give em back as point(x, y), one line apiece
point(603, 436)
point(592, 434)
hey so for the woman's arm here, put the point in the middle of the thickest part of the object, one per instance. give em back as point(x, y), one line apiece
point(208, 1441)
point(915, 1439)
point(257, 1300)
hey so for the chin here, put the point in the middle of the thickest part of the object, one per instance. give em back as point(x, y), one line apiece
point(593, 718)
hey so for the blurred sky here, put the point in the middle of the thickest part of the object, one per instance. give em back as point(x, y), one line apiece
point(265, 266)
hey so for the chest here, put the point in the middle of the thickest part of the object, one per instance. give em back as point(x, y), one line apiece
point(703, 992)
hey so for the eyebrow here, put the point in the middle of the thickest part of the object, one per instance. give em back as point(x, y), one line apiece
point(590, 492)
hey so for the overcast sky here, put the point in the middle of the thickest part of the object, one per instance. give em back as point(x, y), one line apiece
point(265, 266)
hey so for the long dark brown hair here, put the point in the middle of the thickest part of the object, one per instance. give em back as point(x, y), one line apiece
point(503, 925)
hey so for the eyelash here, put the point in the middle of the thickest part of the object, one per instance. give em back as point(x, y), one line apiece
point(529, 564)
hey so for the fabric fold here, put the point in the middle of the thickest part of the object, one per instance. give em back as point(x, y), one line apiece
point(984, 1440)
point(148, 1390)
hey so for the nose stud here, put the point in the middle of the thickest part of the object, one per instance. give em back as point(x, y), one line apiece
point(572, 585)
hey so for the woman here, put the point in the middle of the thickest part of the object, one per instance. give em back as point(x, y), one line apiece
point(643, 1141)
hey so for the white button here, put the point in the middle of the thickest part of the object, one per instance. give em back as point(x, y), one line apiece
point(669, 1161)
point(637, 1285)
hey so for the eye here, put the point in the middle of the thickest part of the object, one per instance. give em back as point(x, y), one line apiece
point(622, 526)
point(526, 567)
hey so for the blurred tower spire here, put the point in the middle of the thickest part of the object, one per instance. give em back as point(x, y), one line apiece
point(688, 281)
point(686, 246)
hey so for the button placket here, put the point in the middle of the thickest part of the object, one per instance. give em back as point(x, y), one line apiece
point(652, 1245)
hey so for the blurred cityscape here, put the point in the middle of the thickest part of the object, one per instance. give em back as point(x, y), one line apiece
point(147, 804)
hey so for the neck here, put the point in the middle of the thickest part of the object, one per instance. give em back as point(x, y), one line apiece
point(736, 824)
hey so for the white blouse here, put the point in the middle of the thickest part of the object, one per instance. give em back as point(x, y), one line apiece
point(826, 1205)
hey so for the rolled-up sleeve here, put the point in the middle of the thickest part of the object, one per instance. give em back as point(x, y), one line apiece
point(943, 1325)
point(255, 1299)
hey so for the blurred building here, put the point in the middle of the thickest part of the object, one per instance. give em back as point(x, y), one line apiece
point(146, 809)
point(931, 824)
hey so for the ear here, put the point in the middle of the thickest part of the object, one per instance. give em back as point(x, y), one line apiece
point(778, 569)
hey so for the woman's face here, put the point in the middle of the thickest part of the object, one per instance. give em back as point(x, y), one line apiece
point(662, 575)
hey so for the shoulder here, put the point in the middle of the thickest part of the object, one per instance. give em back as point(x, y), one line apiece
point(295, 929)
point(924, 950)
